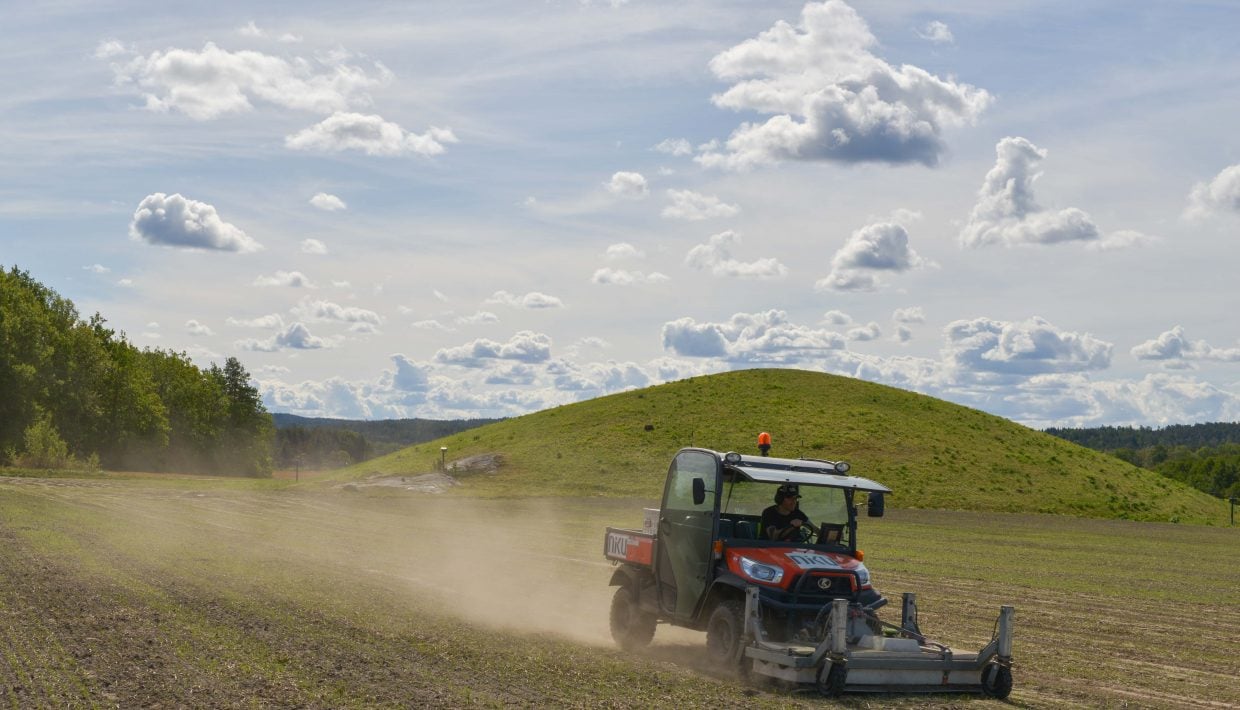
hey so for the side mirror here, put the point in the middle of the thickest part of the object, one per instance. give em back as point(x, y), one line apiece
point(874, 508)
point(699, 491)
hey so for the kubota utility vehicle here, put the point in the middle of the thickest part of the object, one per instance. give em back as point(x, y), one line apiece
point(803, 609)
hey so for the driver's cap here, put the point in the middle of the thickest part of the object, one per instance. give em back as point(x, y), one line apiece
point(790, 489)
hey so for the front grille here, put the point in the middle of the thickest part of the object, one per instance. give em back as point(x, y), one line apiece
point(823, 585)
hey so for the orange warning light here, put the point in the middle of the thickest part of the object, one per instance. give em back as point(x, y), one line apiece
point(764, 443)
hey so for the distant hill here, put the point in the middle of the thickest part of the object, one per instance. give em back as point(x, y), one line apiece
point(384, 435)
point(934, 454)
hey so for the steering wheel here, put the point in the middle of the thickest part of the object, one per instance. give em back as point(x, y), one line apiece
point(802, 534)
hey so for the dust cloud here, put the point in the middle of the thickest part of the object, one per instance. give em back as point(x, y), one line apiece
point(523, 565)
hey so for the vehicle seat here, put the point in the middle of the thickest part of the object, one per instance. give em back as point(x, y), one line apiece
point(746, 529)
point(725, 528)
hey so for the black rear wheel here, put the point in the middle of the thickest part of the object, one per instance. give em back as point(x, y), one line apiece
point(631, 627)
point(723, 633)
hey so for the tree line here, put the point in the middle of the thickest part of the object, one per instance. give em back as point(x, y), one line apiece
point(74, 392)
point(1204, 456)
point(318, 443)
point(298, 447)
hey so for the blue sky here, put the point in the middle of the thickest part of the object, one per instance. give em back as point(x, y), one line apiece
point(485, 209)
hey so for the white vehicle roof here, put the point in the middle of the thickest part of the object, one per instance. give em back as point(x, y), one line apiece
point(805, 472)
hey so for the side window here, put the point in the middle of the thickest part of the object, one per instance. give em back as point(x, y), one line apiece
point(687, 466)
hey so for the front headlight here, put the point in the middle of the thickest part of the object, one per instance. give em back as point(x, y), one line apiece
point(863, 576)
point(760, 572)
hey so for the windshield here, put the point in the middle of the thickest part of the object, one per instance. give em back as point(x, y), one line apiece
point(744, 499)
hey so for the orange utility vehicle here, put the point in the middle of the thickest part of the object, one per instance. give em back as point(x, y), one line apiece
point(793, 604)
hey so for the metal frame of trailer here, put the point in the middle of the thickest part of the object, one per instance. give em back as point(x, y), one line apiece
point(905, 663)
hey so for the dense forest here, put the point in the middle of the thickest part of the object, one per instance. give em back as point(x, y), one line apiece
point(75, 393)
point(1205, 456)
point(1193, 436)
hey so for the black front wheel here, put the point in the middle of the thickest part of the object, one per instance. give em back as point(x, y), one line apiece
point(997, 681)
point(832, 679)
point(724, 631)
point(631, 627)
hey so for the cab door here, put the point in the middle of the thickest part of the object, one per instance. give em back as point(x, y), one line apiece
point(683, 555)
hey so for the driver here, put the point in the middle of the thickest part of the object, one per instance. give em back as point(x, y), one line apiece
point(783, 520)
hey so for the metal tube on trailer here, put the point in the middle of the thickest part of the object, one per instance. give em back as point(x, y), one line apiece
point(1006, 614)
point(839, 627)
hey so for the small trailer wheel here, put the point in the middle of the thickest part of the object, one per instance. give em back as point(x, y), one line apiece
point(831, 680)
point(997, 681)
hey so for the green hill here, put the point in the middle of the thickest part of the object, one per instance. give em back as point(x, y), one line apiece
point(932, 453)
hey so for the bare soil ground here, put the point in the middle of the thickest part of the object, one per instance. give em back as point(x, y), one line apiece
point(153, 594)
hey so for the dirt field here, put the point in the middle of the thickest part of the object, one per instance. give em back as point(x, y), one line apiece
point(170, 594)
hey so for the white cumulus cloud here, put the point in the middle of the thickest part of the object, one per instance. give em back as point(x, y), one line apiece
point(767, 337)
point(316, 310)
point(478, 318)
point(715, 256)
point(831, 98)
point(1029, 347)
point(327, 202)
point(530, 301)
point(271, 321)
point(1219, 195)
point(212, 82)
point(629, 185)
point(876, 247)
point(869, 331)
point(938, 32)
point(313, 246)
point(913, 314)
point(292, 279)
point(1006, 212)
point(193, 327)
point(694, 206)
point(608, 276)
point(1173, 346)
point(674, 146)
point(175, 221)
point(624, 250)
point(370, 134)
point(294, 337)
point(525, 346)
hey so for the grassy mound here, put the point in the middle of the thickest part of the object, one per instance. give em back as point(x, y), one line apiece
point(932, 453)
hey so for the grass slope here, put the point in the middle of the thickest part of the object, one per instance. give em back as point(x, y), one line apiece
point(932, 453)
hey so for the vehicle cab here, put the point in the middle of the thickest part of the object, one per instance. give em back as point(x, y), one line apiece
point(712, 543)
